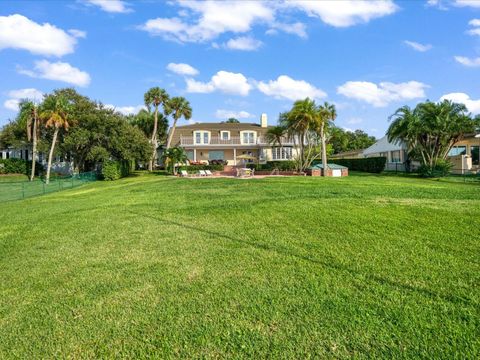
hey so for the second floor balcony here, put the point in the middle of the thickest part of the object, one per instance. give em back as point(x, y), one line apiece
point(233, 140)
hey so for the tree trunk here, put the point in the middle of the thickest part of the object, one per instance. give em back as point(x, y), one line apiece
point(153, 141)
point(34, 141)
point(50, 155)
point(324, 150)
point(170, 136)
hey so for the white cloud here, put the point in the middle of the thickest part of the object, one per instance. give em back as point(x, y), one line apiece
point(297, 28)
point(19, 32)
point(354, 121)
point(226, 114)
point(474, 22)
point(16, 95)
point(111, 6)
point(243, 43)
point(78, 33)
point(462, 98)
point(60, 71)
point(474, 32)
point(417, 46)
point(384, 93)
point(223, 81)
point(470, 3)
point(182, 69)
point(287, 88)
point(211, 18)
point(125, 110)
point(345, 13)
point(475, 62)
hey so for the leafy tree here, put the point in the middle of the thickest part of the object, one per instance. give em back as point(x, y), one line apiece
point(328, 114)
point(275, 135)
point(342, 140)
point(178, 107)
point(174, 156)
point(232, 120)
point(144, 120)
point(431, 129)
point(155, 97)
point(55, 113)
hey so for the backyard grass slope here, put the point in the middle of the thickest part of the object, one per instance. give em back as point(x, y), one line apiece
point(364, 266)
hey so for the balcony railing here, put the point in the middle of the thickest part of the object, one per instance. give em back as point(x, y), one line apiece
point(234, 140)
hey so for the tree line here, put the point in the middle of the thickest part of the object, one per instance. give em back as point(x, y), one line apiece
point(86, 132)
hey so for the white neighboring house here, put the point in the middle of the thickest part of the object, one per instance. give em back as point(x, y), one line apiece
point(60, 165)
point(396, 153)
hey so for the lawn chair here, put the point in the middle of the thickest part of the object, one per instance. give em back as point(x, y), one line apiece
point(202, 173)
point(183, 173)
point(208, 173)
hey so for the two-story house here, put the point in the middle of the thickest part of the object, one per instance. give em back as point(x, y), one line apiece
point(204, 142)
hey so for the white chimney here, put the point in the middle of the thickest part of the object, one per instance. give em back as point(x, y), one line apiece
point(263, 120)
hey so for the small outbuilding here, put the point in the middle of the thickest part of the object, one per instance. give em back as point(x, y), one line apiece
point(333, 170)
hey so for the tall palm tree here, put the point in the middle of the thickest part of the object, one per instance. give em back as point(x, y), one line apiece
point(154, 97)
point(327, 113)
point(55, 113)
point(29, 111)
point(275, 135)
point(178, 107)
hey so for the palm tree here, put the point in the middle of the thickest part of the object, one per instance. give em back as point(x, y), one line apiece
point(178, 107)
point(275, 135)
point(154, 97)
point(327, 113)
point(55, 112)
point(174, 156)
point(29, 111)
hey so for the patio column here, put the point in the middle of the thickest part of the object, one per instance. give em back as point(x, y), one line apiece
point(234, 156)
point(194, 154)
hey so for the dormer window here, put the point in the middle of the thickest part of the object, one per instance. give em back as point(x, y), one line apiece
point(202, 137)
point(225, 135)
point(248, 137)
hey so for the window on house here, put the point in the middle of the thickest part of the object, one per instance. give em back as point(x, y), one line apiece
point(475, 152)
point(383, 154)
point(395, 156)
point(205, 137)
point(225, 135)
point(248, 137)
point(457, 150)
point(216, 155)
point(281, 153)
point(198, 138)
point(202, 137)
point(190, 155)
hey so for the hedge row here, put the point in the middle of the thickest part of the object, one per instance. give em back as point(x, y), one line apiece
point(271, 165)
point(114, 170)
point(370, 165)
point(193, 168)
point(18, 166)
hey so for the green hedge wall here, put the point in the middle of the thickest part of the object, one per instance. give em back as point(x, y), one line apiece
point(18, 166)
point(114, 170)
point(370, 165)
point(193, 168)
point(270, 165)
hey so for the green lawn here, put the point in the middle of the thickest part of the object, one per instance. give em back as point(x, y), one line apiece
point(364, 266)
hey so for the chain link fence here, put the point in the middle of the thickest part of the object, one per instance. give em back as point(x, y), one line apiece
point(17, 190)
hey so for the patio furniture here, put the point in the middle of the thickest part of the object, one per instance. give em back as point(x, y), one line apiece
point(202, 173)
point(208, 173)
point(183, 173)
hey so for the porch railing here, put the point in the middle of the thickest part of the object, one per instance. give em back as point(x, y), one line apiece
point(233, 140)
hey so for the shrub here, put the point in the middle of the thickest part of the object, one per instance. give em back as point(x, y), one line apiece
point(114, 170)
point(443, 168)
point(287, 165)
point(18, 166)
point(370, 165)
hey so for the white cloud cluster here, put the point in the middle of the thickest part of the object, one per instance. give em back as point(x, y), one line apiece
point(126, 110)
point(475, 24)
point(345, 13)
point(384, 93)
point(466, 61)
point(16, 95)
point(467, 3)
point(78, 33)
point(182, 69)
point(243, 43)
point(111, 6)
point(462, 98)
point(284, 87)
point(59, 71)
point(19, 32)
point(223, 81)
point(226, 114)
point(417, 46)
point(204, 21)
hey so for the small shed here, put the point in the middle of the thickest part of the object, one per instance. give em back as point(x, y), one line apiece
point(333, 170)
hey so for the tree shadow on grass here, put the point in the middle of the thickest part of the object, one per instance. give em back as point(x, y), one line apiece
point(331, 264)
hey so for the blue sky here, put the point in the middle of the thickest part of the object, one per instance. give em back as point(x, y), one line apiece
point(244, 58)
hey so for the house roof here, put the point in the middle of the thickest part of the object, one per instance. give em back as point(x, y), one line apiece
point(330, 165)
point(383, 145)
